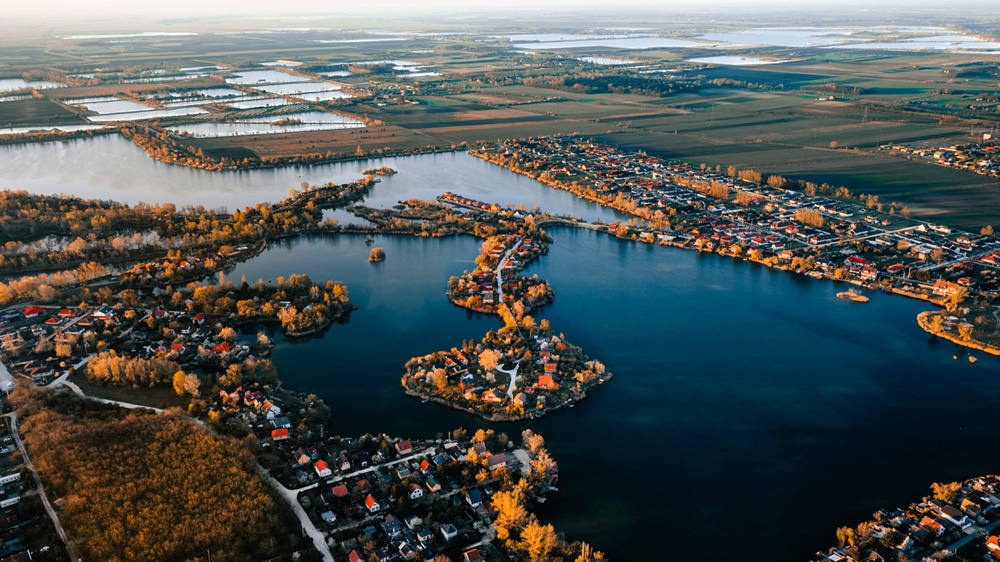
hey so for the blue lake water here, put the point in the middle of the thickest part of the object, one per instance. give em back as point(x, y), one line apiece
point(746, 402)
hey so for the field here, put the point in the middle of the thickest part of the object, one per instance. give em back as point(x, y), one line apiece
point(819, 117)
point(37, 112)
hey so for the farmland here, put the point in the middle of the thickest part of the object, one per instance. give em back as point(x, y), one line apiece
point(820, 116)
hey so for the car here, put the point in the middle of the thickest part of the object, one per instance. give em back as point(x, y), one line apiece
point(4, 450)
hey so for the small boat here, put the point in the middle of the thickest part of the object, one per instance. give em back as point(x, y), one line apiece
point(369, 240)
point(852, 295)
point(972, 359)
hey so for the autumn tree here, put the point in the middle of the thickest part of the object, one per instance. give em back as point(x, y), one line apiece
point(186, 383)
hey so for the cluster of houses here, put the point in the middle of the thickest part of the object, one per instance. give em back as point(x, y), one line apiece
point(449, 197)
point(749, 216)
point(482, 288)
point(21, 329)
point(184, 337)
point(12, 539)
point(385, 500)
point(550, 373)
point(981, 158)
point(967, 524)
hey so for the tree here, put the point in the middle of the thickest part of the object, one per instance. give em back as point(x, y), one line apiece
point(227, 334)
point(489, 359)
point(538, 540)
point(440, 378)
point(845, 536)
point(946, 492)
point(186, 383)
point(987, 230)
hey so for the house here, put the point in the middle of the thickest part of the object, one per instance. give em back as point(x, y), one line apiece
point(33, 311)
point(472, 556)
point(857, 261)
point(372, 505)
point(946, 288)
point(322, 469)
point(301, 457)
point(221, 348)
point(932, 525)
point(66, 313)
point(951, 513)
point(407, 551)
point(355, 557)
point(416, 492)
point(545, 381)
point(426, 466)
point(344, 463)
point(432, 484)
point(329, 517)
point(282, 422)
point(448, 531)
point(340, 490)
point(280, 434)
point(404, 447)
point(497, 461)
point(474, 497)
point(391, 525)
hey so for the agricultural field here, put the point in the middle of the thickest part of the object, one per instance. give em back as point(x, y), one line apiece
point(821, 116)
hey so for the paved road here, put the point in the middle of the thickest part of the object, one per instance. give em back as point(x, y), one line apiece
point(513, 378)
point(500, 267)
point(70, 547)
point(291, 497)
point(5, 377)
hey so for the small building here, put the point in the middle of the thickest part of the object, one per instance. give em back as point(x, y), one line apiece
point(33, 311)
point(372, 505)
point(280, 434)
point(404, 447)
point(322, 469)
point(448, 531)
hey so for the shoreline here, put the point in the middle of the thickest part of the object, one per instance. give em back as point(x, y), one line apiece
point(923, 320)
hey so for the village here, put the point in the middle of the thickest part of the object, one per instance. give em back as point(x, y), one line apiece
point(959, 521)
point(982, 158)
point(378, 498)
point(820, 231)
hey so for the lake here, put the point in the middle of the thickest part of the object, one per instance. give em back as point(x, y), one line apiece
point(111, 167)
point(748, 403)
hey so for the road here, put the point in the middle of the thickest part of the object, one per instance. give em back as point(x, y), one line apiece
point(15, 433)
point(506, 257)
point(6, 379)
point(291, 497)
point(513, 378)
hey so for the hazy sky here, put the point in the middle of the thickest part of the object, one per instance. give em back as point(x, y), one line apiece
point(181, 7)
point(170, 15)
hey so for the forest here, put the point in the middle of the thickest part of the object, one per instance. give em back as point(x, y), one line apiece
point(140, 486)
